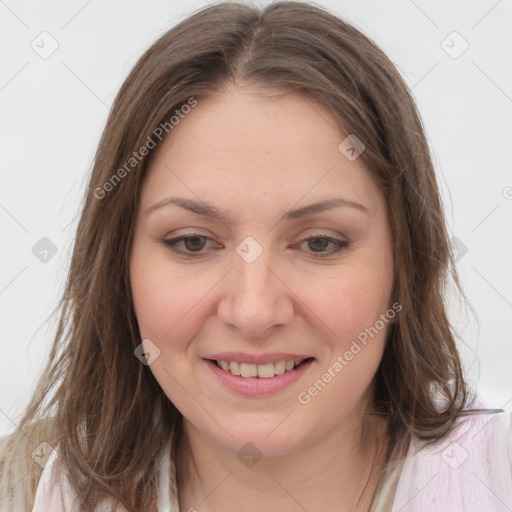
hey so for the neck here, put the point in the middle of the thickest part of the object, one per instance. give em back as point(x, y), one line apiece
point(339, 471)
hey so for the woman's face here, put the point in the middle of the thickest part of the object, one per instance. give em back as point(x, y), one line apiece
point(246, 287)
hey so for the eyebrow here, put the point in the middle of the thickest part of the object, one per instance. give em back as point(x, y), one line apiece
point(208, 210)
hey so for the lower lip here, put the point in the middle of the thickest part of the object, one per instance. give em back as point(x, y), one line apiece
point(255, 386)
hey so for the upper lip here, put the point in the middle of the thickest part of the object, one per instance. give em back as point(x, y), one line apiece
point(273, 357)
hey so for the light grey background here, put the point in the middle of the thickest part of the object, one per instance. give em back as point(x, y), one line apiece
point(53, 111)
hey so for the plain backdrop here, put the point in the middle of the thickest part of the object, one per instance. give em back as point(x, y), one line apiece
point(455, 57)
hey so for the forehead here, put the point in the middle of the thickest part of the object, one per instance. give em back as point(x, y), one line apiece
point(242, 149)
point(248, 126)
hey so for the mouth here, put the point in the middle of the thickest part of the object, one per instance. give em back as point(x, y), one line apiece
point(260, 371)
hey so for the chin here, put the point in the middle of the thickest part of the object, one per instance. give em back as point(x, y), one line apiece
point(280, 439)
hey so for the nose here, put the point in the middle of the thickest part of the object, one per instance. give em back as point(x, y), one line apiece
point(257, 299)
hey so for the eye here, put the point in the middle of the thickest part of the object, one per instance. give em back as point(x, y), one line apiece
point(194, 244)
point(322, 242)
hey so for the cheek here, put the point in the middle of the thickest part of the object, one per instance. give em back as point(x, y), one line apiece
point(168, 299)
point(352, 308)
point(350, 300)
point(159, 299)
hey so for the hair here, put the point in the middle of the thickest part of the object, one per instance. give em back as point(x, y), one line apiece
point(95, 400)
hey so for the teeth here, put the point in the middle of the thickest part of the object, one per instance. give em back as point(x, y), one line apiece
point(248, 370)
point(279, 367)
point(263, 371)
point(234, 368)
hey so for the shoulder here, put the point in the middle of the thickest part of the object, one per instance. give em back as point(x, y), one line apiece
point(55, 492)
point(473, 465)
point(20, 464)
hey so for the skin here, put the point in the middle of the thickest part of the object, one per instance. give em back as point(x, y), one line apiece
point(256, 159)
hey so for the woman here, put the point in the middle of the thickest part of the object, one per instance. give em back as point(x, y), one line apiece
point(255, 313)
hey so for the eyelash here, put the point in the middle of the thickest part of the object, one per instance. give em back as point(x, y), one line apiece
point(172, 243)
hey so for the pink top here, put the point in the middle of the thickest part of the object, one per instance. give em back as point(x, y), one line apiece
point(469, 471)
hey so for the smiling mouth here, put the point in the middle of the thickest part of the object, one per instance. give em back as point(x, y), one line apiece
point(262, 371)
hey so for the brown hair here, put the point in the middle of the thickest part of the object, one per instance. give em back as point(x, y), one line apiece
point(104, 408)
